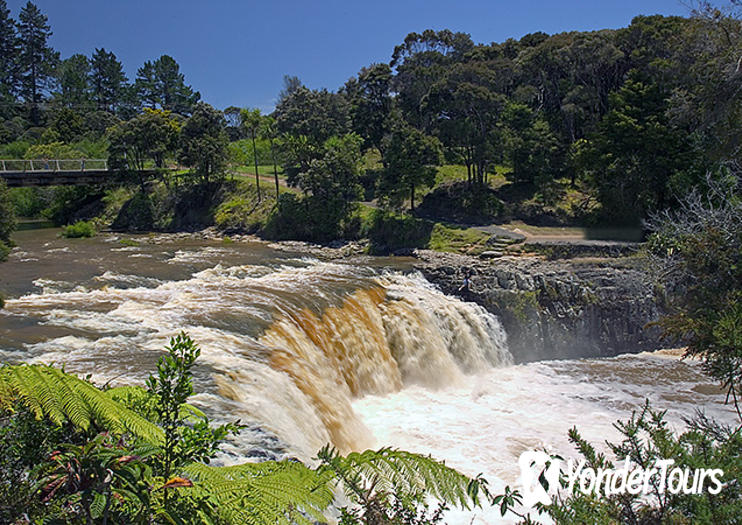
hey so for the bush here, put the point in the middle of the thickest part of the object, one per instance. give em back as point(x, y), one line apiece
point(30, 202)
point(240, 210)
point(4, 251)
point(310, 219)
point(390, 231)
point(78, 230)
point(7, 215)
point(73, 203)
point(137, 214)
point(460, 202)
point(696, 254)
point(647, 438)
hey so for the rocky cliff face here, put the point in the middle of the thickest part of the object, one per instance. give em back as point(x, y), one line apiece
point(556, 309)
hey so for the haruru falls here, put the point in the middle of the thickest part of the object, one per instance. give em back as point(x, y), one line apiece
point(359, 353)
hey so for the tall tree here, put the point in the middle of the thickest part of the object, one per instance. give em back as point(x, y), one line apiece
point(251, 120)
point(636, 160)
point(37, 61)
point(270, 132)
point(371, 103)
point(161, 84)
point(146, 85)
point(74, 87)
point(290, 84)
point(175, 95)
point(317, 114)
point(233, 116)
point(8, 52)
point(203, 142)
point(107, 79)
point(410, 157)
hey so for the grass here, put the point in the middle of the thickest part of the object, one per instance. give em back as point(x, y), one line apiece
point(265, 170)
point(457, 239)
point(240, 209)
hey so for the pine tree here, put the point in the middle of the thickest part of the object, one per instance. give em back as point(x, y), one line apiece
point(107, 79)
point(174, 94)
point(37, 61)
point(8, 52)
point(74, 88)
point(146, 85)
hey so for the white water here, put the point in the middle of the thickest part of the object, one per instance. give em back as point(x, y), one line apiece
point(484, 426)
point(309, 352)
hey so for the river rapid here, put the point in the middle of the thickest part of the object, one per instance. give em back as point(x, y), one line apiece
point(360, 353)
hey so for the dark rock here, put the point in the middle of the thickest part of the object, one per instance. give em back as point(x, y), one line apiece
point(557, 309)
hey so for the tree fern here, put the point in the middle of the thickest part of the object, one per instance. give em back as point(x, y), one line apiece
point(61, 397)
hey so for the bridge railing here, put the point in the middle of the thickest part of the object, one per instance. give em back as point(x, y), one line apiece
point(53, 165)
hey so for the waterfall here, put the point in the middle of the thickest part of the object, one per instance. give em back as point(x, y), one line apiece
point(286, 348)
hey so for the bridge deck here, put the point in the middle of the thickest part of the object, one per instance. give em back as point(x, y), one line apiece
point(52, 172)
point(18, 179)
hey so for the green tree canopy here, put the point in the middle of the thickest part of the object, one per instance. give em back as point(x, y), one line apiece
point(107, 80)
point(74, 82)
point(410, 157)
point(37, 61)
point(316, 114)
point(203, 143)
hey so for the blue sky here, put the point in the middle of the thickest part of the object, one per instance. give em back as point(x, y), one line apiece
point(236, 52)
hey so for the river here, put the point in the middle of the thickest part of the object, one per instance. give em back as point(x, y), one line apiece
point(361, 353)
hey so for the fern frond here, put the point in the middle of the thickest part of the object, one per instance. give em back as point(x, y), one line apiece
point(269, 492)
point(49, 392)
point(394, 471)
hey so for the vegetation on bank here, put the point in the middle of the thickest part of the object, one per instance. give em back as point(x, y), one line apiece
point(590, 128)
point(76, 453)
point(78, 230)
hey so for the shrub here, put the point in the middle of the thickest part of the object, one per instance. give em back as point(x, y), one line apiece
point(463, 203)
point(137, 214)
point(391, 231)
point(78, 230)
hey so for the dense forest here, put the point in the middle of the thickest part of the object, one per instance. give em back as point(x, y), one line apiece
point(602, 127)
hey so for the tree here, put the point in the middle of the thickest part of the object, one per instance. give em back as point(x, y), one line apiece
point(329, 176)
point(37, 61)
point(68, 124)
point(696, 255)
point(290, 84)
point(419, 62)
point(161, 84)
point(371, 103)
point(8, 52)
point(152, 135)
point(410, 159)
point(270, 131)
point(316, 114)
point(7, 220)
point(107, 80)
point(636, 159)
point(252, 122)
point(531, 146)
point(233, 116)
point(74, 86)
point(146, 85)
point(203, 143)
